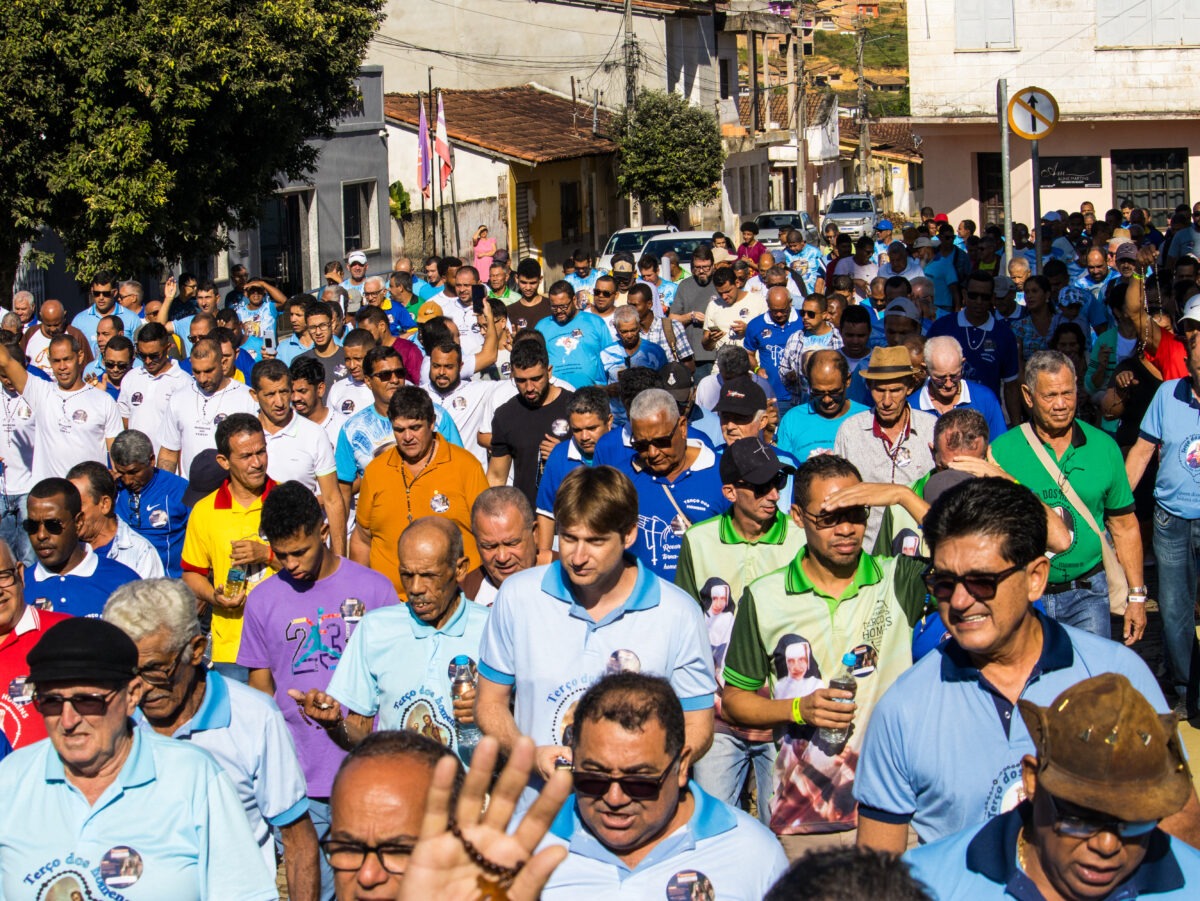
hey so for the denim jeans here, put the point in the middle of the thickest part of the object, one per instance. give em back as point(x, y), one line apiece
point(10, 527)
point(723, 770)
point(1177, 550)
point(1083, 608)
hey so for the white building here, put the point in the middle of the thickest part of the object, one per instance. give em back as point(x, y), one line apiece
point(1123, 73)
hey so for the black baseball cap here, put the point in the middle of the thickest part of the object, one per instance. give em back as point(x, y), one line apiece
point(741, 396)
point(751, 460)
point(204, 477)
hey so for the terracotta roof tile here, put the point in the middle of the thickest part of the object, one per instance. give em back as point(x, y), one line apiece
point(891, 134)
point(524, 122)
point(818, 108)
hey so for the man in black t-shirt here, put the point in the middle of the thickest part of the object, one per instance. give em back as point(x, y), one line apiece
point(526, 428)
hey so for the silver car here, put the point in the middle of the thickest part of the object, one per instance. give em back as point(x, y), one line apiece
point(770, 222)
point(853, 214)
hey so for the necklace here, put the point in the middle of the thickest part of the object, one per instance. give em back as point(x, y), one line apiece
point(1021, 846)
point(982, 335)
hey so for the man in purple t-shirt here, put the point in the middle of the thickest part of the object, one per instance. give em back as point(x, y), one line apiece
point(297, 628)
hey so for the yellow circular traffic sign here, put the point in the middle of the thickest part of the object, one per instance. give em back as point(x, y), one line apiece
point(1032, 113)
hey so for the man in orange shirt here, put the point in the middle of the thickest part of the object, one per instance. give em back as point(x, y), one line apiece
point(422, 474)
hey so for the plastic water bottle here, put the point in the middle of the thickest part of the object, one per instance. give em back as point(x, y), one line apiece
point(462, 683)
point(844, 681)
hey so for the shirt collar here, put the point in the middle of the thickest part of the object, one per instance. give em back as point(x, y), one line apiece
point(1184, 394)
point(29, 622)
point(706, 459)
point(709, 819)
point(138, 768)
point(644, 596)
point(85, 569)
point(987, 325)
point(992, 853)
point(1057, 654)
point(792, 320)
point(456, 627)
point(224, 498)
point(773, 535)
point(124, 537)
point(868, 572)
point(925, 400)
point(214, 712)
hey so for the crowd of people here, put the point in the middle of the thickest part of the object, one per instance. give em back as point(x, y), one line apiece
point(814, 573)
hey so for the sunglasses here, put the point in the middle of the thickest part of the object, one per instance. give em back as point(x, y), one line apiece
point(146, 355)
point(1085, 824)
point(947, 379)
point(96, 293)
point(831, 395)
point(389, 375)
point(979, 295)
point(85, 705)
point(980, 586)
point(636, 788)
point(33, 526)
point(764, 488)
point(604, 293)
point(854, 515)
point(118, 365)
point(643, 445)
point(809, 314)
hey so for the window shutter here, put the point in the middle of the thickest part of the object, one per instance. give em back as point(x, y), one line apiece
point(970, 24)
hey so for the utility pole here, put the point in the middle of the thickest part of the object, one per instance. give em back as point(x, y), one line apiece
point(800, 117)
point(864, 118)
point(631, 55)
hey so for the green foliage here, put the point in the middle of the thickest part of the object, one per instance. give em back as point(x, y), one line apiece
point(670, 154)
point(399, 203)
point(879, 52)
point(140, 129)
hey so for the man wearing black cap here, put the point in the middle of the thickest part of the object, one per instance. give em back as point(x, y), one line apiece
point(108, 808)
point(743, 412)
point(1107, 770)
point(718, 559)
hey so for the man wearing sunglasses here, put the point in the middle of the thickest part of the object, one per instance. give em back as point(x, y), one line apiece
point(721, 556)
point(243, 729)
point(107, 328)
point(947, 389)
point(146, 391)
point(104, 303)
point(1089, 824)
point(117, 363)
point(104, 804)
point(988, 539)
point(636, 825)
point(838, 599)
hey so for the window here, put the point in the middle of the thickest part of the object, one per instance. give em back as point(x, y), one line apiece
point(984, 25)
point(569, 210)
point(358, 216)
point(1147, 23)
point(723, 68)
point(1154, 179)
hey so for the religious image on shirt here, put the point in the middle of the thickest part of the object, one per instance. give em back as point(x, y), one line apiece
point(690, 885)
point(67, 888)
point(716, 600)
point(120, 867)
point(1189, 456)
point(813, 781)
point(621, 660)
point(422, 719)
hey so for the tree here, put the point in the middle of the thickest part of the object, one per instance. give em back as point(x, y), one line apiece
point(669, 152)
point(140, 130)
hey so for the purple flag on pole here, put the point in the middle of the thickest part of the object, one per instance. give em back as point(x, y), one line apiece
point(424, 179)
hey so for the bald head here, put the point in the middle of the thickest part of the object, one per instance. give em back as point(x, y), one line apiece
point(823, 364)
point(433, 532)
point(778, 298)
point(54, 318)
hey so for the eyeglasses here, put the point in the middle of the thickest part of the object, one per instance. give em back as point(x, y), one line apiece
point(1074, 825)
point(840, 394)
point(980, 586)
point(809, 314)
point(644, 444)
point(764, 488)
point(373, 293)
point(146, 356)
point(979, 295)
point(96, 293)
point(8, 577)
point(160, 677)
point(320, 326)
point(118, 365)
point(53, 526)
point(856, 516)
point(348, 857)
point(637, 788)
point(948, 379)
point(85, 705)
point(388, 375)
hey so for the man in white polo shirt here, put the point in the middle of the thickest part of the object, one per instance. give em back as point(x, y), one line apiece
point(297, 449)
point(146, 391)
point(74, 421)
point(190, 425)
point(637, 826)
point(556, 629)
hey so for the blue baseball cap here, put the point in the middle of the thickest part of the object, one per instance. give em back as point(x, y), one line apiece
point(883, 225)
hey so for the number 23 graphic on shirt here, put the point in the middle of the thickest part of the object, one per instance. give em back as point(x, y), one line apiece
point(316, 644)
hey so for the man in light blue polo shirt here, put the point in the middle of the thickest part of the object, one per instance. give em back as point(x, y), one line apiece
point(105, 810)
point(242, 728)
point(767, 336)
point(944, 748)
point(574, 338)
point(636, 825)
point(1088, 825)
point(810, 428)
point(630, 350)
point(397, 664)
point(104, 303)
point(555, 629)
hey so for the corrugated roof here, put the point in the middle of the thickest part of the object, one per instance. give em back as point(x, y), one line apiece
point(522, 122)
point(818, 104)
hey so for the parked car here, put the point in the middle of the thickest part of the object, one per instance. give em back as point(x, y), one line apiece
point(629, 240)
point(853, 214)
point(683, 243)
point(771, 222)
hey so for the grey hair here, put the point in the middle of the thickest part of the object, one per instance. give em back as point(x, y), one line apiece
point(27, 295)
point(135, 287)
point(626, 315)
point(921, 281)
point(943, 344)
point(733, 361)
point(147, 606)
point(11, 322)
point(1047, 361)
point(653, 403)
point(130, 447)
point(495, 502)
point(1020, 263)
point(373, 278)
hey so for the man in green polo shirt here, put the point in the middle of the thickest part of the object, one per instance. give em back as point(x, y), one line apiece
point(790, 633)
point(1090, 461)
point(717, 560)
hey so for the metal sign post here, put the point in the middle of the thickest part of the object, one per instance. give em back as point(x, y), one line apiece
point(1032, 114)
point(1005, 169)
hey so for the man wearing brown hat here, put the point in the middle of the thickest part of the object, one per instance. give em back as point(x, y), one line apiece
point(891, 442)
point(105, 806)
point(1107, 770)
